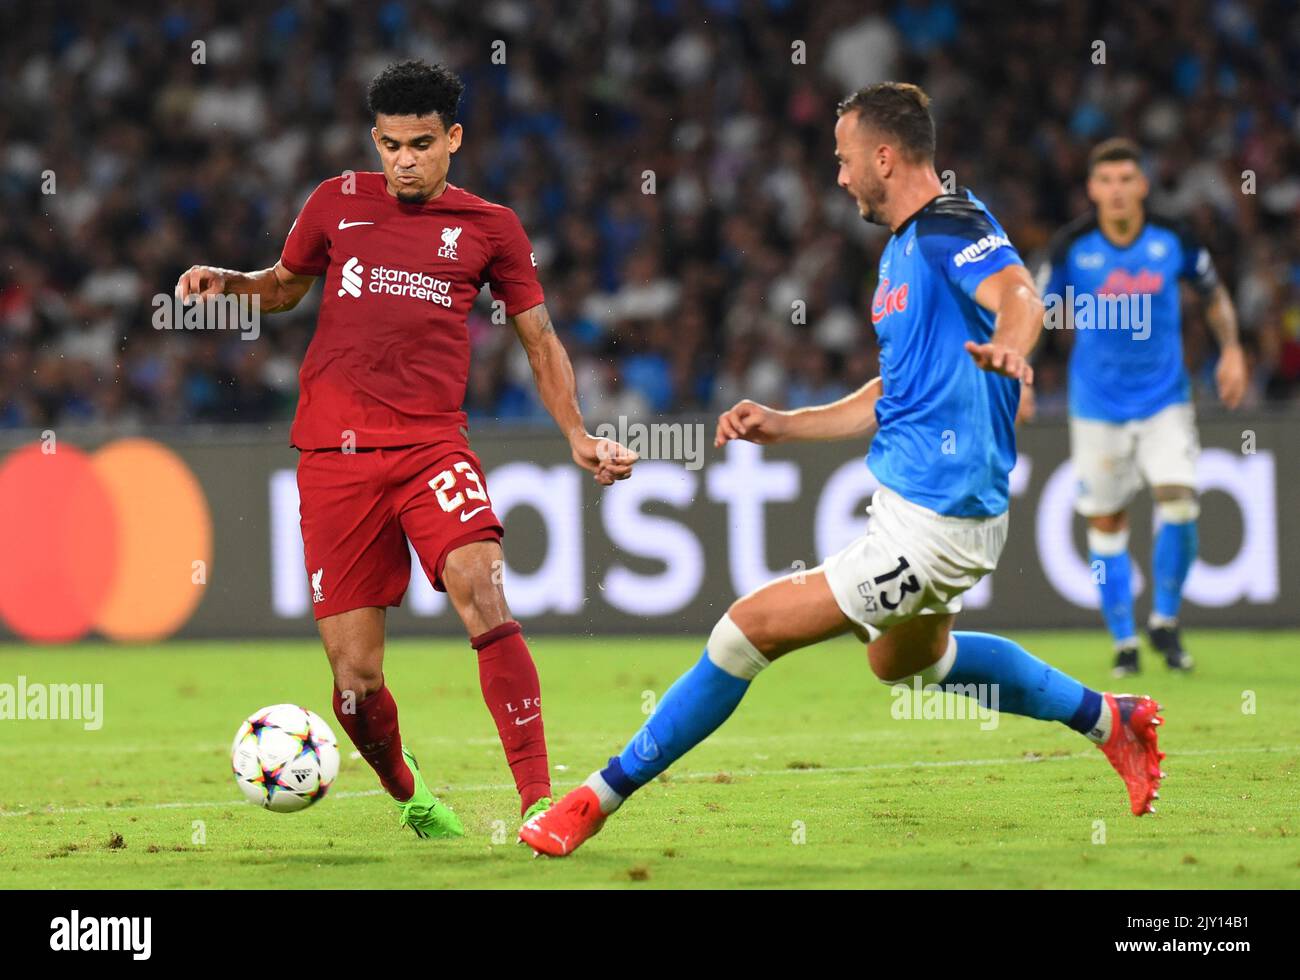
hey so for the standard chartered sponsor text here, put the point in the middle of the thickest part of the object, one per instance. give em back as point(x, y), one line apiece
point(404, 282)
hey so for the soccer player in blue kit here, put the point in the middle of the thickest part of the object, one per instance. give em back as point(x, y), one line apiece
point(1115, 277)
point(956, 314)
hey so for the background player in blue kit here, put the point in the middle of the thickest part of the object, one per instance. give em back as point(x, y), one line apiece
point(956, 315)
point(1115, 276)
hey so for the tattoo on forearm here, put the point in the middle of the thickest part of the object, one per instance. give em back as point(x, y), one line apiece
point(1222, 318)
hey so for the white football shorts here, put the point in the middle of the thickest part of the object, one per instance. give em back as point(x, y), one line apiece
point(911, 562)
point(1111, 460)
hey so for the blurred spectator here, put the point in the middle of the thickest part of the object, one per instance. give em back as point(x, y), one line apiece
point(671, 161)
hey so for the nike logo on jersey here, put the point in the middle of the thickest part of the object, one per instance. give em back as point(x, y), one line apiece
point(525, 721)
point(464, 516)
point(352, 224)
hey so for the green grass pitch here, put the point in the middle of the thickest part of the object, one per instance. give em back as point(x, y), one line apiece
point(812, 783)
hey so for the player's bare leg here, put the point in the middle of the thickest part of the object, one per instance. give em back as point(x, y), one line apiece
point(782, 616)
point(1008, 678)
point(1174, 551)
point(910, 648)
point(1108, 557)
point(472, 575)
point(354, 644)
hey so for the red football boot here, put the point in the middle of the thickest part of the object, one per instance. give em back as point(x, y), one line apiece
point(560, 830)
point(1132, 748)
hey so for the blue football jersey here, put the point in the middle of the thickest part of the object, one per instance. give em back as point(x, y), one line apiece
point(947, 436)
point(1123, 309)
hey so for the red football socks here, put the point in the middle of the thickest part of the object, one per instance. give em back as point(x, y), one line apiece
point(513, 694)
point(372, 726)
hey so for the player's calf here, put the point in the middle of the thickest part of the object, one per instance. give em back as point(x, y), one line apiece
point(1108, 558)
point(363, 705)
point(1174, 551)
point(507, 673)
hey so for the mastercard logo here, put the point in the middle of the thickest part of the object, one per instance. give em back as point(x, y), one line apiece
point(118, 541)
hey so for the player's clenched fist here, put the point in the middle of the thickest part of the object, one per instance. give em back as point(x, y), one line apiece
point(1001, 360)
point(750, 421)
point(606, 459)
point(201, 280)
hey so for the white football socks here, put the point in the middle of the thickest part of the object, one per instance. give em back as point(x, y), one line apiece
point(1100, 733)
point(609, 800)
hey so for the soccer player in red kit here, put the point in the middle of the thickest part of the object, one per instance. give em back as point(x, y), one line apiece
point(384, 454)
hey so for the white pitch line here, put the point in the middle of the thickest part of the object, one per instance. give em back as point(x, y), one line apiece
point(683, 777)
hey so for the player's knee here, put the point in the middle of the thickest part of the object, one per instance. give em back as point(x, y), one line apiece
point(921, 647)
point(361, 683)
point(1107, 543)
point(731, 650)
point(1176, 505)
point(756, 623)
point(906, 668)
point(1179, 511)
point(1109, 523)
point(356, 670)
point(472, 577)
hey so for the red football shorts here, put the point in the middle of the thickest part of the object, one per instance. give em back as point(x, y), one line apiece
point(359, 509)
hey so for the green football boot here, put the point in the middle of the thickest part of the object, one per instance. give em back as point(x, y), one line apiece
point(541, 806)
point(424, 813)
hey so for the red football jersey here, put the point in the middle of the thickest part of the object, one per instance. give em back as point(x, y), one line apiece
point(389, 361)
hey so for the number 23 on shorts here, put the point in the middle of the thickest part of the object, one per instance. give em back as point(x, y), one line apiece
point(445, 481)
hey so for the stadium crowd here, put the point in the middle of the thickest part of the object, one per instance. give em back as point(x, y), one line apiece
point(672, 162)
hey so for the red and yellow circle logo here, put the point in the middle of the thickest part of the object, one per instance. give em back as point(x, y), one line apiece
point(118, 541)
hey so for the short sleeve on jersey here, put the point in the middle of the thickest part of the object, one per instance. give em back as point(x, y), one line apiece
point(1049, 280)
point(306, 250)
point(1197, 267)
point(965, 245)
point(512, 272)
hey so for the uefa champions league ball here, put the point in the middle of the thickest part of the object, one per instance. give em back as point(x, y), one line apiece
point(285, 758)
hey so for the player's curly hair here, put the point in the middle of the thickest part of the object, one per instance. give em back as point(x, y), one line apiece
point(897, 109)
point(414, 88)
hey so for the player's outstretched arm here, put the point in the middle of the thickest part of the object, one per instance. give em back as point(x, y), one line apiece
point(605, 458)
point(852, 417)
point(1231, 374)
point(1010, 294)
point(278, 288)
